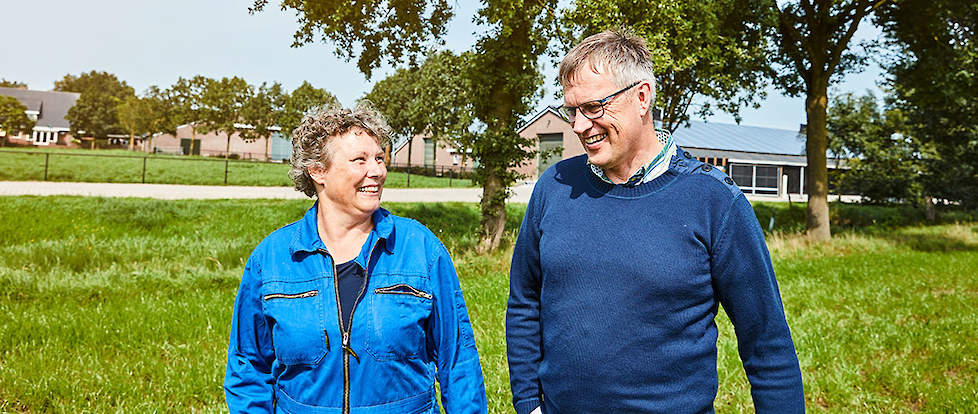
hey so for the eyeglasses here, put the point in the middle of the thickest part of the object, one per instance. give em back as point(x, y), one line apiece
point(591, 109)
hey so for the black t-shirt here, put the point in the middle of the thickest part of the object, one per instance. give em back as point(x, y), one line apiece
point(349, 279)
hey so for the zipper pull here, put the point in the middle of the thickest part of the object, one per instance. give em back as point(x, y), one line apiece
point(346, 346)
point(326, 335)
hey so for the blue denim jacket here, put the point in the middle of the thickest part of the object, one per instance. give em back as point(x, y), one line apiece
point(287, 353)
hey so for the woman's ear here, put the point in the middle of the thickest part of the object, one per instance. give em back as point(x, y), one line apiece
point(318, 175)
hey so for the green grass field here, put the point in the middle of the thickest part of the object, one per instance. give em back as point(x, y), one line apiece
point(124, 305)
point(117, 166)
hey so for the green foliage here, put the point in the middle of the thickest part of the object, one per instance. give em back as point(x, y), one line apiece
point(95, 112)
point(262, 112)
point(13, 119)
point(4, 83)
point(136, 116)
point(503, 69)
point(95, 83)
point(119, 326)
point(811, 48)
point(884, 163)
point(297, 104)
point(704, 49)
point(185, 100)
point(374, 31)
point(222, 102)
point(434, 100)
point(812, 41)
point(934, 67)
point(94, 115)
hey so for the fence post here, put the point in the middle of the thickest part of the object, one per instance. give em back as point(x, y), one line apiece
point(225, 171)
point(144, 169)
point(46, 158)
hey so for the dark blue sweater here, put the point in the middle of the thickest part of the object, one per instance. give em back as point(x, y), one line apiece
point(614, 291)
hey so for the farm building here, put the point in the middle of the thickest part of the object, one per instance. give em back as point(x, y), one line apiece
point(47, 109)
point(763, 161)
point(215, 144)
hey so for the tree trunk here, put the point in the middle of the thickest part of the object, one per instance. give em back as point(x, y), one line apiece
point(493, 213)
point(132, 141)
point(266, 149)
point(193, 137)
point(227, 148)
point(817, 180)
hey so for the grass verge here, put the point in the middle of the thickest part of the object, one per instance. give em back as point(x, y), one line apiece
point(119, 166)
point(124, 305)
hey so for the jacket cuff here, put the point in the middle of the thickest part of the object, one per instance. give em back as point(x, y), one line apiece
point(527, 406)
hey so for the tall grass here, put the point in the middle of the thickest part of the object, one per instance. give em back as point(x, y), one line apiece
point(124, 305)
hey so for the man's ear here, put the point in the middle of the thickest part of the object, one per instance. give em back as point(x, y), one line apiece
point(317, 174)
point(645, 96)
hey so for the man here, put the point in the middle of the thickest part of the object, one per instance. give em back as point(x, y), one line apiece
point(625, 254)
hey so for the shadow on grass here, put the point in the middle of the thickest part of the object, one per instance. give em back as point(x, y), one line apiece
point(930, 243)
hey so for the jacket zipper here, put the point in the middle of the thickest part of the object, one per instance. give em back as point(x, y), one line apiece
point(345, 330)
point(411, 291)
point(308, 294)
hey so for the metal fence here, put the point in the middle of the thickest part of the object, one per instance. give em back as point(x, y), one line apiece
point(452, 173)
point(145, 158)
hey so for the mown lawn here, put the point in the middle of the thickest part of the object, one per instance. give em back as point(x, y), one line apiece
point(123, 305)
point(120, 166)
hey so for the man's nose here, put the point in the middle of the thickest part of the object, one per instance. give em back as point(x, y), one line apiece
point(581, 124)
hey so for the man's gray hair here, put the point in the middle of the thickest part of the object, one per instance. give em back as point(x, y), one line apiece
point(319, 127)
point(618, 52)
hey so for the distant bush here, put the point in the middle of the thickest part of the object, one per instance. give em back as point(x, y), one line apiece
point(845, 216)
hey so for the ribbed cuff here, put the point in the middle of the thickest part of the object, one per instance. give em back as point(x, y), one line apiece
point(526, 406)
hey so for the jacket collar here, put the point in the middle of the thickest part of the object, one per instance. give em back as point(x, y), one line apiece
point(305, 238)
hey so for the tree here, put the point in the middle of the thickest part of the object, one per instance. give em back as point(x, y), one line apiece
point(434, 99)
point(702, 50)
point(162, 115)
point(4, 83)
point(95, 111)
point(503, 68)
point(934, 74)
point(13, 118)
point(812, 50)
point(95, 82)
point(135, 117)
point(262, 112)
point(94, 115)
point(883, 162)
point(303, 99)
point(185, 102)
point(222, 102)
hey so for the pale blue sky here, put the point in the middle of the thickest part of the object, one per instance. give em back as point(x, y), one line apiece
point(154, 43)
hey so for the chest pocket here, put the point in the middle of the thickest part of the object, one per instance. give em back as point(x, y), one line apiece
point(399, 311)
point(295, 312)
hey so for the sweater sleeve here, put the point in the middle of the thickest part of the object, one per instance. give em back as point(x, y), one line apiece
point(743, 279)
point(248, 379)
point(459, 373)
point(523, 335)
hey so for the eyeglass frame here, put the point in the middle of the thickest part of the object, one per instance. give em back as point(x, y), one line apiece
point(564, 110)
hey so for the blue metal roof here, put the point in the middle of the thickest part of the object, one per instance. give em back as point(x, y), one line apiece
point(715, 135)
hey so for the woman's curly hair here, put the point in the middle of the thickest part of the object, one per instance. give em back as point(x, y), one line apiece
point(319, 127)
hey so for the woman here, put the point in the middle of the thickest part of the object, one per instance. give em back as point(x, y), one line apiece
point(350, 309)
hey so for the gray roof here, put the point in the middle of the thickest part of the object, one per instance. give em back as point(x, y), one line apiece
point(52, 105)
point(731, 137)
